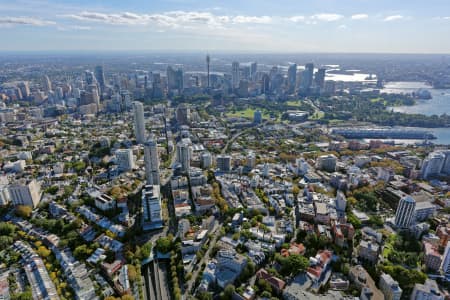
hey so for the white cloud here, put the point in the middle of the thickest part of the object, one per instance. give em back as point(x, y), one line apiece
point(342, 27)
point(393, 18)
point(327, 17)
point(73, 27)
point(10, 21)
point(314, 19)
point(297, 19)
point(172, 19)
point(360, 17)
point(252, 19)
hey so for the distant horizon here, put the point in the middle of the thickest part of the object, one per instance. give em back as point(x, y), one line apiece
point(217, 52)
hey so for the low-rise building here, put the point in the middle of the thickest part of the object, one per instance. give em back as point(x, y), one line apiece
point(390, 288)
point(433, 258)
point(368, 251)
point(427, 291)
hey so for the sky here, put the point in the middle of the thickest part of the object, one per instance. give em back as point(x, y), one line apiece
point(282, 26)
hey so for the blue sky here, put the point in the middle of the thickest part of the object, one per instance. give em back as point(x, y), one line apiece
point(393, 26)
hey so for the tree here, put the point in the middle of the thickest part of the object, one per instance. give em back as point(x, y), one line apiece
point(7, 229)
point(293, 264)
point(43, 251)
point(82, 252)
point(132, 274)
point(163, 244)
point(204, 296)
point(146, 249)
point(23, 211)
point(228, 291)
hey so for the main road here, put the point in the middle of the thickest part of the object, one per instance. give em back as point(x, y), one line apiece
point(205, 257)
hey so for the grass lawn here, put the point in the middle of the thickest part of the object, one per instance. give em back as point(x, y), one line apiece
point(294, 103)
point(248, 114)
point(317, 115)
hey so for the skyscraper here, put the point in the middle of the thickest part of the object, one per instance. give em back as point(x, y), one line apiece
point(139, 122)
point(319, 78)
point(253, 70)
point(151, 206)
point(183, 114)
point(90, 78)
point(265, 84)
point(179, 80)
point(292, 77)
point(433, 164)
point(170, 74)
point(151, 160)
point(208, 60)
point(46, 83)
point(235, 75)
point(183, 156)
point(25, 89)
point(307, 77)
point(156, 86)
point(100, 76)
point(404, 215)
point(125, 159)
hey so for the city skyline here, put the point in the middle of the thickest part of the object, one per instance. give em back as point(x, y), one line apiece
point(322, 26)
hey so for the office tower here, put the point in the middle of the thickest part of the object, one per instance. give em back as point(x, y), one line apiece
point(179, 80)
point(90, 96)
point(25, 193)
point(90, 78)
point(125, 159)
point(265, 84)
point(46, 84)
point(251, 160)
point(151, 160)
point(273, 71)
point(93, 89)
point(404, 215)
point(433, 164)
point(139, 122)
point(24, 89)
point(157, 87)
point(100, 77)
point(329, 87)
point(208, 60)
point(206, 160)
point(245, 72)
point(307, 77)
point(319, 79)
point(170, 74)
point(292, 78)
point(223, 163)
point(151, 207)
point(243, 89)
point(446, 261)
point(235, 75)
point(277, 82)
point(257, 117)
point(183, 114)
point(183, 156)
point(253, 70)
point(59, 93)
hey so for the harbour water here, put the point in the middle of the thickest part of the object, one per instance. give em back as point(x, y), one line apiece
point(438, 105)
